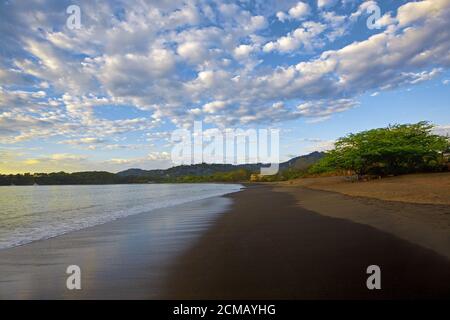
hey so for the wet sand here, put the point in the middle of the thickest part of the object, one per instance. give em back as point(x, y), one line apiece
point(268, 247)
point(122, 259)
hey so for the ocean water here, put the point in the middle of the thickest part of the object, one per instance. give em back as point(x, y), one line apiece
point(31, 213)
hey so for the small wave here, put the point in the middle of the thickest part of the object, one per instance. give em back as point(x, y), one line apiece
point(72, 219)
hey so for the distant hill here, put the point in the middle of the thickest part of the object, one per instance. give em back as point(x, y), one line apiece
point(203, 172)
point(302, 162)
point(201, 169)
point(204, 169)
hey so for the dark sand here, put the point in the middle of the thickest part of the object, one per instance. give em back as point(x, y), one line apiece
point(268, 247)
point(427, 225)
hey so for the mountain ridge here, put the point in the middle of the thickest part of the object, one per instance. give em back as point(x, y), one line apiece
point(201, 169)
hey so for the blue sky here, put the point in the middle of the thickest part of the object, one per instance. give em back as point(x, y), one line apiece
point(108, 95)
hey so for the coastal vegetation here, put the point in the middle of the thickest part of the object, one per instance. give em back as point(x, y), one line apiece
point(394, 150)
point(102, 177)
point(60, 178)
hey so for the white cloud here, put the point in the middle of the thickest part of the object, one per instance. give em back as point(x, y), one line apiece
point(214, 106)
point(414, 12)
point(282, 16)
point(120, 161)
point(386, 20)
point(178, 62)
point(257, 23)
point(418, 77)
point(243, 51)
point(305, 37)
point(326, 3)
point(66, 156)
point(323, 108)
point(337, 25)
point(298, 12)
point(159, 156)
point(192, 51)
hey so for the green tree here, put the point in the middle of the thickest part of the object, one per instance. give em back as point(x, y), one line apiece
point(394, 150)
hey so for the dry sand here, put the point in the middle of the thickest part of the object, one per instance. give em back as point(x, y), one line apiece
point(427, 188)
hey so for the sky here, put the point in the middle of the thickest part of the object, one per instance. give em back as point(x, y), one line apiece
point(107, 93)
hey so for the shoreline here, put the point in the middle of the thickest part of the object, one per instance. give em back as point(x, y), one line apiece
point(120, 207)
point(120, 259)
point(262, 242)
point(268, 247)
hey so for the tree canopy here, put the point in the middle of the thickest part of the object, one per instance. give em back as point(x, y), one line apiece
point(394, 150)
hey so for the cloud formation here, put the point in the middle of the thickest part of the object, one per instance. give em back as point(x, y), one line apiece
point(228, 64)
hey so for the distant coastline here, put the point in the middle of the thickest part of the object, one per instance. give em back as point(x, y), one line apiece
point(203, 172)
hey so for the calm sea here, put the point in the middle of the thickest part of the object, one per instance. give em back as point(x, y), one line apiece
point(30, 213)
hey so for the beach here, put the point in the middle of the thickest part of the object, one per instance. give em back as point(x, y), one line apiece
point(260, 243)
point(421, 188)
point(269, 247)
